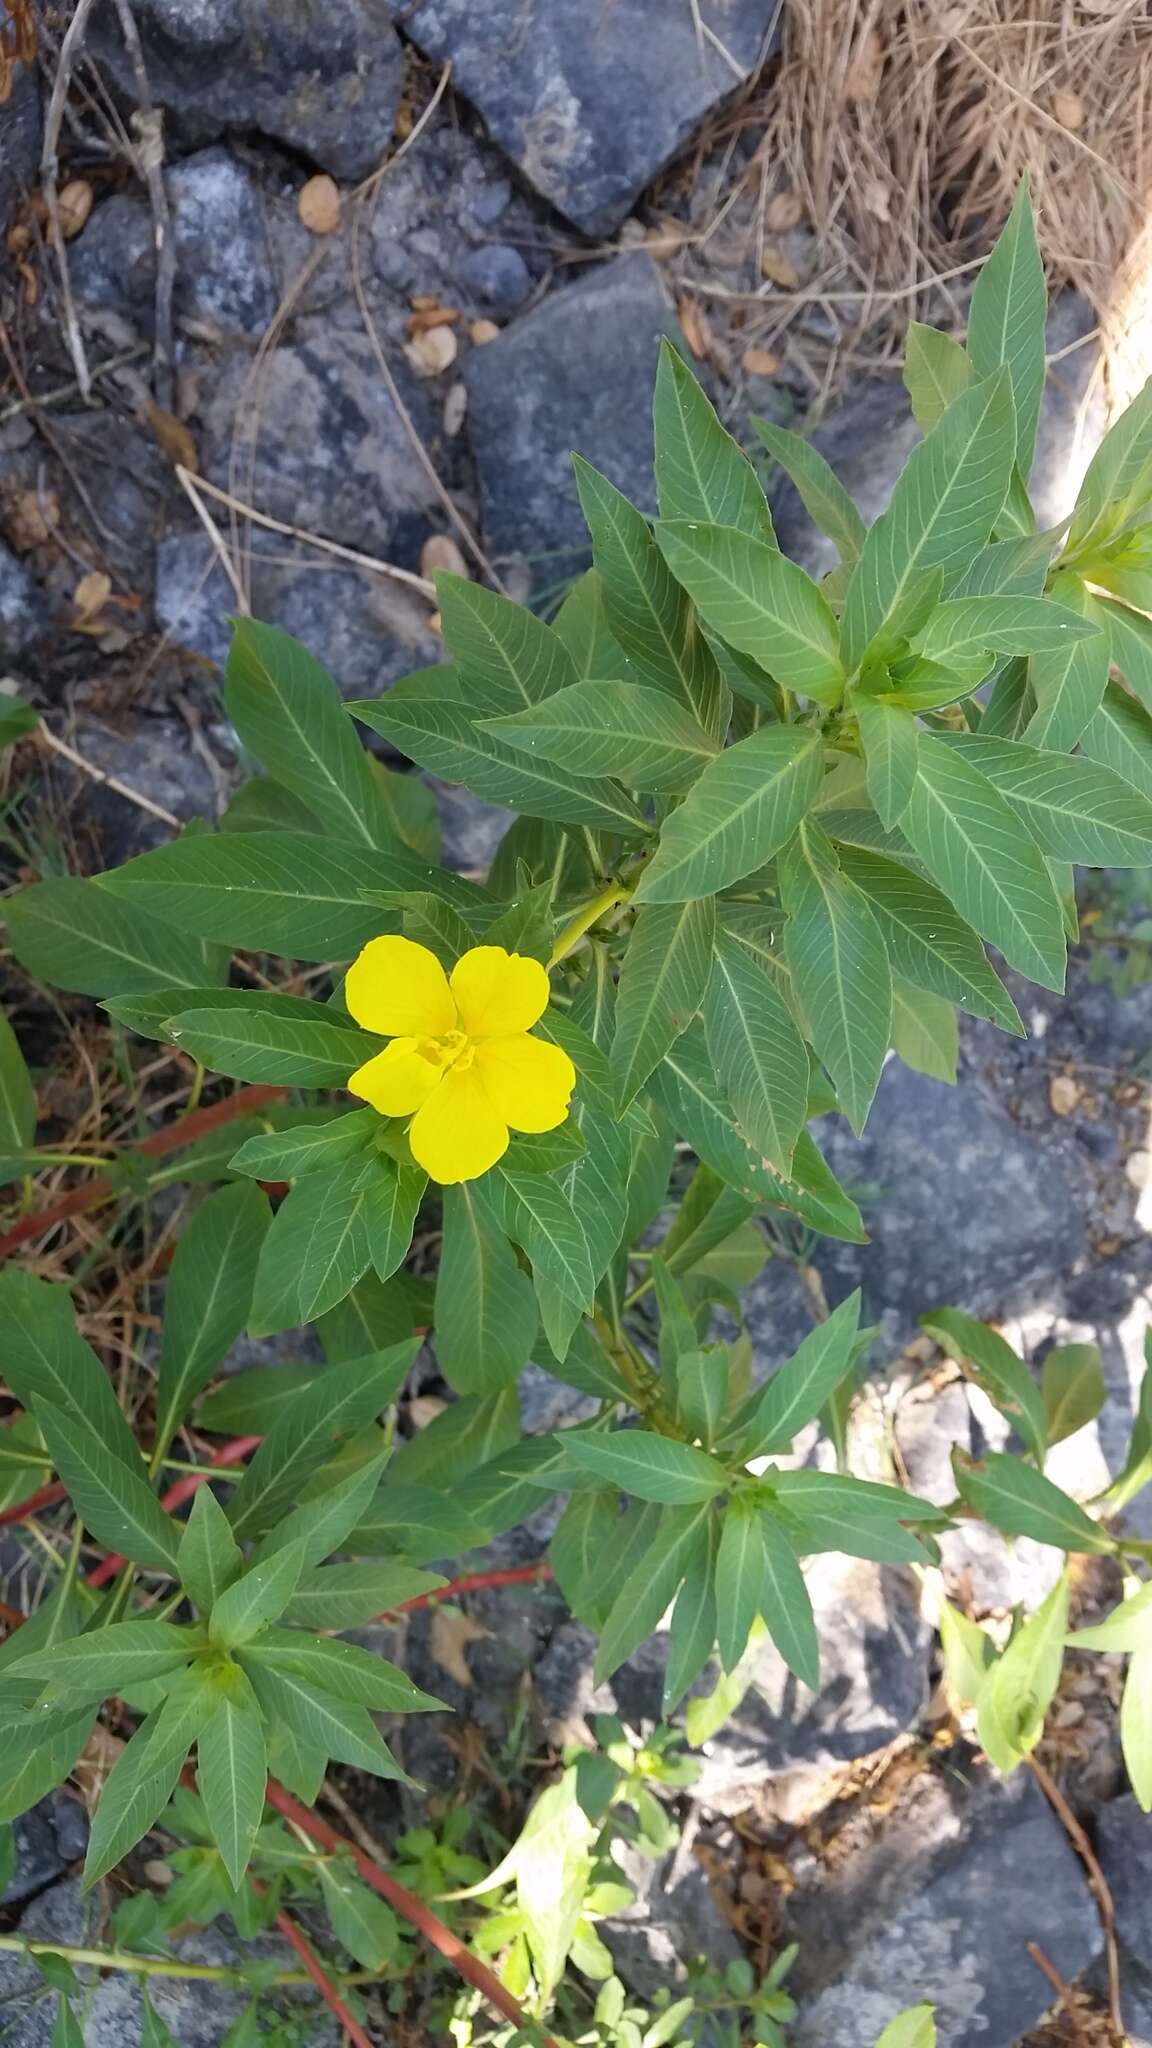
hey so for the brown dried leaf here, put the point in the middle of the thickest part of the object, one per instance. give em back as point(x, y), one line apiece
point(784, 210)
point(74, 201)
point(1068, 108)
point(100, 1753)
point(432, 352)
point(695, 328)
point(441, 552)
point(1063, 1094)
point(760, 362)
point(862, 82)
point(482, 331)
point(28, 519)
point(173, 437)
point(91, 594)
point(434, 315)
point(424, 1408)
point(779, 267)
point(449, 1635)
point(319, 205)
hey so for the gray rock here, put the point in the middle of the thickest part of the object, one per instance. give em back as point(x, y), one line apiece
point(49, 1837)
point(23, 609)
point(1124, 1847)
point(132, 482)
point(472, 829)
point(576, 373)
point(322, 76)
point(191, 597)
point(20, 132)
point(674, 1920)
point(155, 756)
point(937, 1902)
point(591, 103)
point(498, 276)
point(224, 281)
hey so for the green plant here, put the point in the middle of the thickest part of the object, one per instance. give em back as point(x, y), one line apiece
point(764, 829)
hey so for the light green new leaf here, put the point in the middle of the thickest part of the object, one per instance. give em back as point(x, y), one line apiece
point(506, 656)
point(256, 1599)
point(1006, 320)
point(744, 807)
point(760, 1058)
point(662, 984)
point(891, 743)
point(1021, 1685)
point(913, 2028)
point(486, 1318)
point(318, 1246)
point(289, 712)
point(648, 612)
point(79, 935)
point(944, 507)
point(989, 1360)
point(1074, 1389)
point(642, 735)
point(1075, 809)
point(927, 943)
point(823, 495)
point(1136, 1725)
point(232, 1772)
point(338, 1404)
point(759, 602)
point(969, 1653)
point(936, 370)
point(741, 1565)
point(111, 1497)
point(701, 472)
point(208, 1559)
point(839, 966)
point(786, 1604)
point(973, 845)
point(1128, 1628)
point(1019, 1501)
point(651, 1467)
point(1118, 479)
point(1130, 634)
point(207, 1302)
point(924, 1032)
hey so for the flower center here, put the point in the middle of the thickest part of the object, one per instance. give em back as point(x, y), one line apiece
point(455, 1049)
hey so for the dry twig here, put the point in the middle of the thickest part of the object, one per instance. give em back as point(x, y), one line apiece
point(1097, 1883)
point(50, 174)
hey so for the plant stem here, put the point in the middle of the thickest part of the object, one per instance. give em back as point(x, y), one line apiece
point(585, 918)
point(155, 1966)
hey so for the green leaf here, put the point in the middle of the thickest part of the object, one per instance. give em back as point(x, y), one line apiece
point(1119, 736)
point(741, 1564)
point(207, 1301)
point(839, 966)
point(153, 2032)
point(109, 1660)
point(1008, 625)
point(1075, 809)
point(798, 1389)
point(968, 1653)
point(786, 1605)
point(261, 805)
point(285, 1155)
point(376, 1315)
point(276, 892)
point(1009, 568)
point(701, 472)
point(347, 1734)
point(78, 935)
point(759, 602)
point(362, 1923)
point(335, 1500)
point(46, 1359)
point(342, 1669)
point(1006, 320)
point(486, 1319)
point(260, 1042)
point(339, 1403)
point(208, 1558)
point(340, 1596)
point(927, 943)
point(913, 2028)
point(144, 1776)
point(318, 1246)
point(17, 719)
point(1136, 1726)
point(232, 1772)
point(438, 734)
point(830, 1511)
point(649, 614)
point(256, 1599)
point(760, 1058)
point(17, 1095)
point(601, 728)
point(1074, 1389)
point(650, 1467)
point(823, 495)
point(582, 623)
point(1130, 633)
point(550, 1231)
point(680, 1538)
point(994, 1366)
point(701, 1380)
point(692, 1632)
point(743, 809)
point(289, 712)
point(1118, 479)
point(1021, 1685)
point(506, 656)
point(936, 371)
point(924, 1032)
point(112, 1498)
point(890, 739)
point(1019, 1501)
point(975, 847)
point(463, 1436)
point(1069, 681)
point(943, 509)
point(247, 1402)
point(662, 984)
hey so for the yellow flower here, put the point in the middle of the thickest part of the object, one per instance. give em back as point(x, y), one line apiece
point(462, 1057)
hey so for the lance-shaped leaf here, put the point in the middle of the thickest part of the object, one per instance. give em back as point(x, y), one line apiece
point(1020, 1687)
point(798, 1389)
point(890, 739)
point(1020, 1501)
point(825, 500)
point(112, 1498)
point(319, 1721)
point(654, 1468)
point(744, 807)
point(991, 1362)
point(319, 1244)
point(79, 935)
point(1075, 809)
point(761, 1059)
point(1006, 320)
point(596, 728)
point(759, 602)
point(786, 1604)
point(506, 656)
point(208, 1299)
point(839, 965)
point(232, 1773)
point(701, 472)
point(321, 1417)
point(144, 1776)
point(928, 944)
point(936, 370)
point(662, 984)
point(486, 1317)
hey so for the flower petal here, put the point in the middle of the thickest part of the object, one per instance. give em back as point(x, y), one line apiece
point(498, 992)
point(397, 1080)
point(529, 1082)
point(397, 987)
point(458, 1134)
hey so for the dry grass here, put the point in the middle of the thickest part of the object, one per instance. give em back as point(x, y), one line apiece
point(899, 134)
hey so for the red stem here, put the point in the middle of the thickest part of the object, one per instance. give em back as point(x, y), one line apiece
point(44, 1497)
point(421, 1916)
point(183, 1132)
point(474, 1582)
point(180, 1491)
point(322, 1980)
